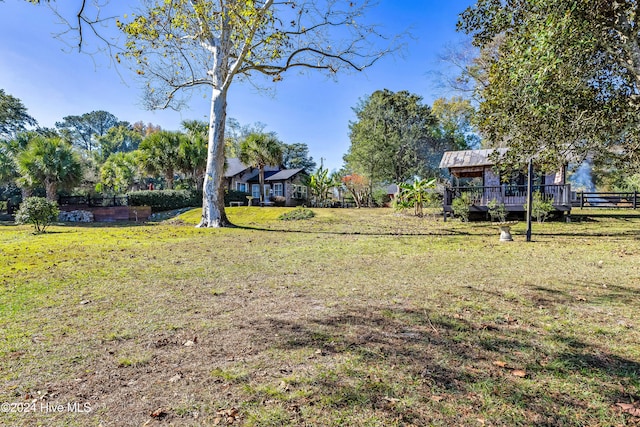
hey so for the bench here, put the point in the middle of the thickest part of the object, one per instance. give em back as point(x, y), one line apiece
point(236, 204)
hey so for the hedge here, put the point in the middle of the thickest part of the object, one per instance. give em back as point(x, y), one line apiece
point(164, 200)
point(235, 196)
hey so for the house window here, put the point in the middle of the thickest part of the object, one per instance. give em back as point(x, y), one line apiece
point(241, 186)
point(516, 184)
point(267, 192)
point(277, 190)
point(299, 192)
point(255, 191)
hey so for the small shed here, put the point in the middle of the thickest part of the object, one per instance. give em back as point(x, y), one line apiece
point(473, 172)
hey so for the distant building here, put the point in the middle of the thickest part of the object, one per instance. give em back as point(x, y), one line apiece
point(281, 186)
point(472, 172)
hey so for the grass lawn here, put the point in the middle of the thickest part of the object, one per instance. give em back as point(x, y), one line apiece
point(354, 318)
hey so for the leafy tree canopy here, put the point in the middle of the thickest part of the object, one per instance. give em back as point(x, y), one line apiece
point(455, 122)
point(159, 154)
point(83, 130)
point(296, 156)
point(49, 162)
point(260, 150)
point(563, 81)
point(13, 116)
point(394, 138)
point(121, 138)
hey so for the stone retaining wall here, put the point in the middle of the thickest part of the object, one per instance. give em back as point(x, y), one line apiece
point(113, 213)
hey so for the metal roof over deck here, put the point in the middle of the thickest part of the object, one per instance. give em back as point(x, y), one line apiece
point(468, 158)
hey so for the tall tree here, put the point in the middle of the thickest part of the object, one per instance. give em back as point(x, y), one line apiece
point(119, 172)
point(235, 133)
point(455, 117)
point(8, 170)
point(359, 188)
point(260, 150)
point(563, 82)
point(50, 162)
point(185, 44)
point(159, 153)
point(13, 116)
point(296, 156)
point(394, 138)
point(121, 138)
point(83, 130)
point(145, 129)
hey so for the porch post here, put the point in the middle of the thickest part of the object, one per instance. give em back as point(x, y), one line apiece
point(529, 198)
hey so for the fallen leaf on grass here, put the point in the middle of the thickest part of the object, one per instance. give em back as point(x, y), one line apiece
point(159, 413)
point(437, 398)
point(519, 373)
point(283, 386)
point(630, 408)
point(510, 320)
point(500, 363)
point(227, 415)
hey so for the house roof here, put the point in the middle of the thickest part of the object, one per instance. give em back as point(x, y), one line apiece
point(255, 177)
point(234, 167)
point(284, 174)
point(468, 158)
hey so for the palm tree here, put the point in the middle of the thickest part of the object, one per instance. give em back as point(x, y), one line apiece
point(7, 166)
point(416, 194)
point(192, 152)
point(320, 184)
point(159, 154)
point(50, 162)
point(259, 150)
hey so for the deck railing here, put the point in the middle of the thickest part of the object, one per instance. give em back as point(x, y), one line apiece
point(628, 200)
point(510, 195)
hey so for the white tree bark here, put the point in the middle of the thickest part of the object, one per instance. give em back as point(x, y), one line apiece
point(213, 214)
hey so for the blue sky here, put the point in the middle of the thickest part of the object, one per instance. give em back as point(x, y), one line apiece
point(53, 80)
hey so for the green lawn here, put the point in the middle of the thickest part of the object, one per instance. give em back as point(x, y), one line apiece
point(354, 318)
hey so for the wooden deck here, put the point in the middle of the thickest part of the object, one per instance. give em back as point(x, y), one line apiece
point(514, 197)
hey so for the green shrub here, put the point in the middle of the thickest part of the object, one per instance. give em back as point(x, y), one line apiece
point(164, 200)
point(298, 213)
point(37, 211)
point(235, 196)
point(279, 201)
point(461, 206)
point(497, 211)
point(541, 207)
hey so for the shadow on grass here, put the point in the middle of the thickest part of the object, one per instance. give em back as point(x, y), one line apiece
point(440, 232)
point(418, 366)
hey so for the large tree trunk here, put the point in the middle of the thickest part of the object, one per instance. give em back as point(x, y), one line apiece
point(26, 192)
point(213, 214)
point(168, 177)
point(51, 189)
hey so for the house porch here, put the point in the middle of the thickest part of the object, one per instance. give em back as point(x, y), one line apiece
point(514, 197)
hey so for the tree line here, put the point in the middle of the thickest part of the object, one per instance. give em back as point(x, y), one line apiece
point(96, 151)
